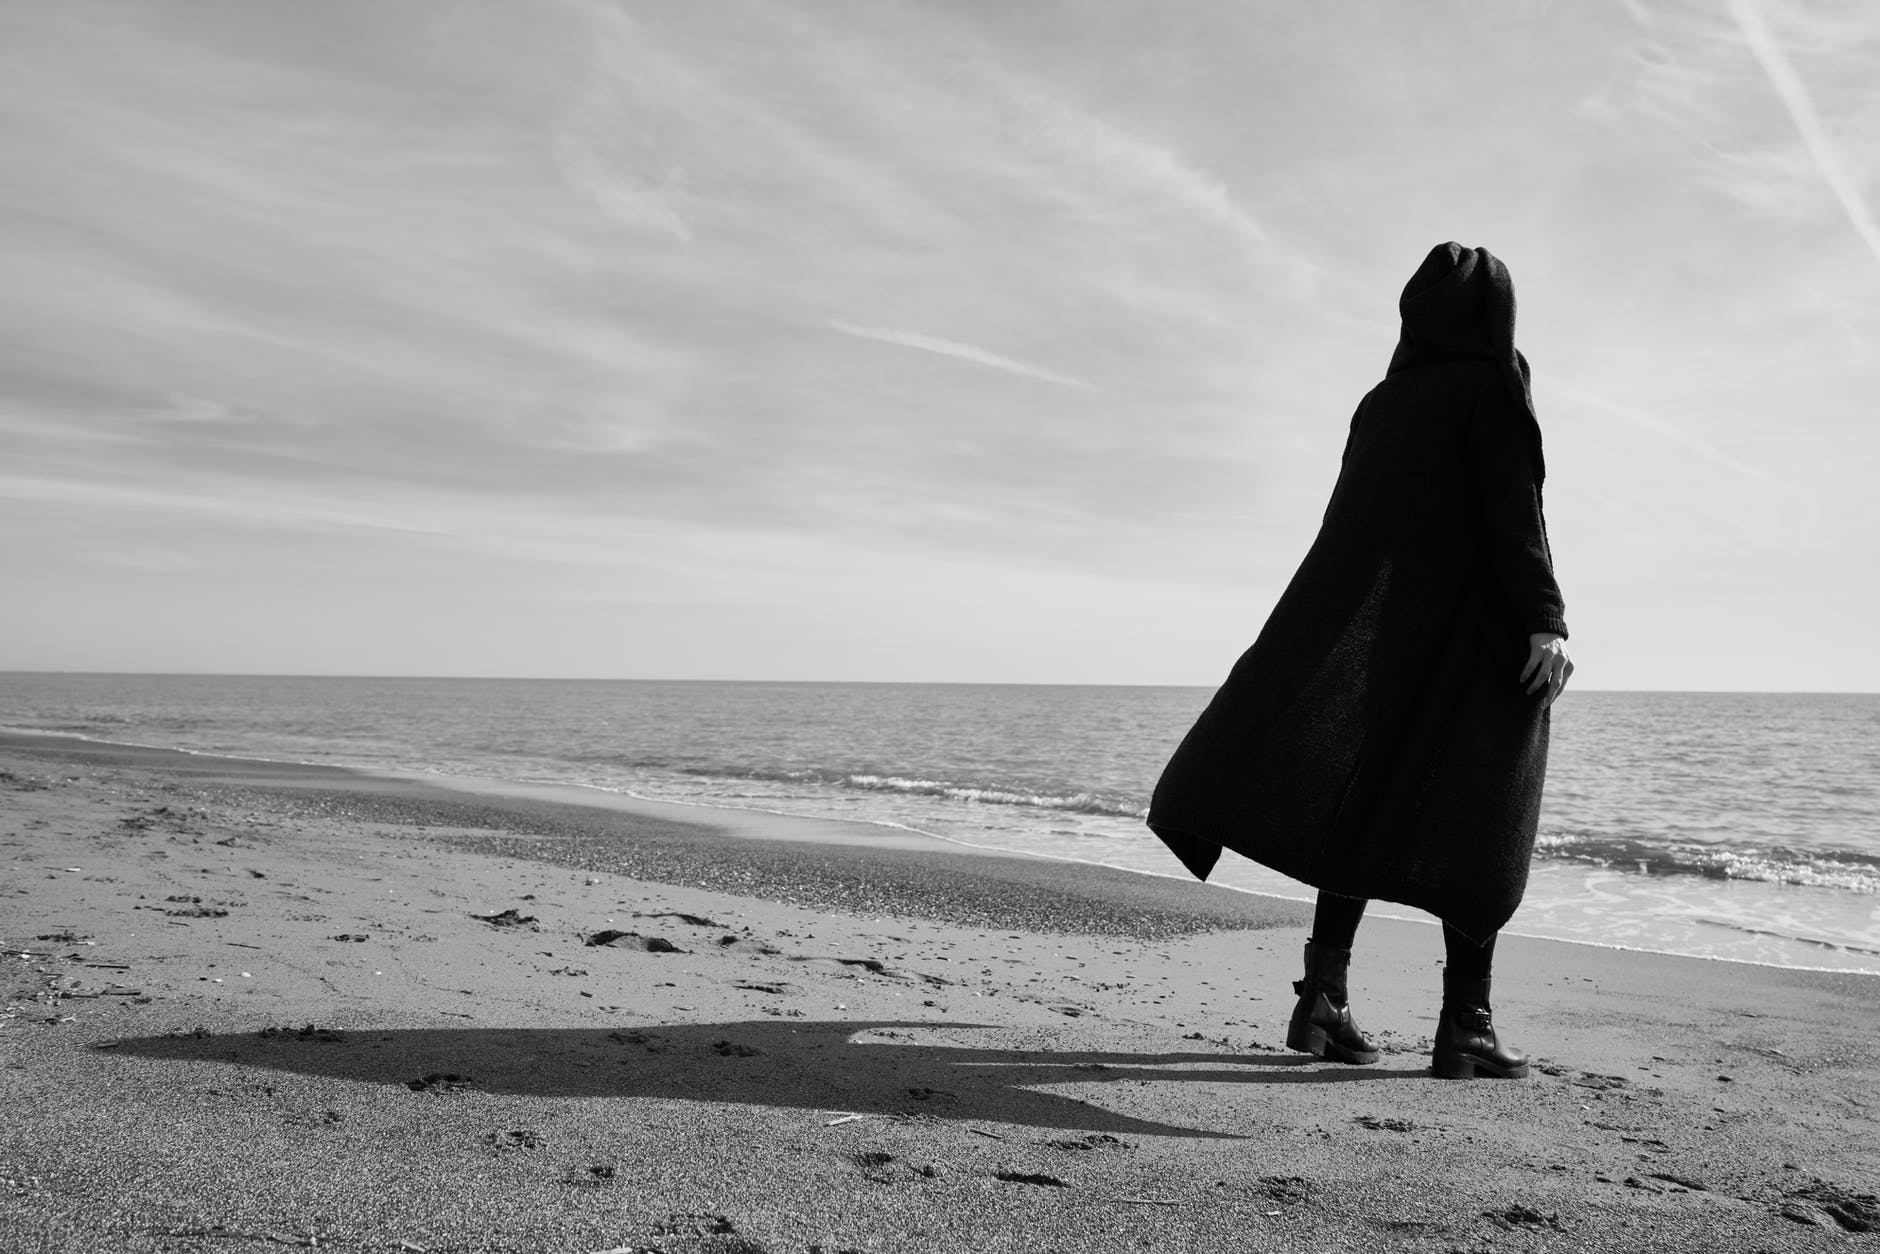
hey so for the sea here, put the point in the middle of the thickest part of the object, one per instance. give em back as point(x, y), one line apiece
point(1740, 827)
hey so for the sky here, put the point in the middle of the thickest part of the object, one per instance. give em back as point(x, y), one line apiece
point(882, 340)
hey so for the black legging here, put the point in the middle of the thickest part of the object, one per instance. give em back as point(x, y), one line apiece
point(1335, 925)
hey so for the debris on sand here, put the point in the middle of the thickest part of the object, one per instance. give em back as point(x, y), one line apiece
point(872, 965)
point(223, 1232)
point(775, 987)
point(197, 912)
point(440, 1081)
point(1096, 1140)
point(508, 918)
point(1031, 1177)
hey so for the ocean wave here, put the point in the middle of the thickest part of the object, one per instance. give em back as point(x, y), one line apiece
point(1846, 870)
point(1076, 802)
point(1003, 793)
point(1651, 854)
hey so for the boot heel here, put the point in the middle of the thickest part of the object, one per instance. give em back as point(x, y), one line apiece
point(1452, 1067)
point(1465, 1067)
point(1306, 1039)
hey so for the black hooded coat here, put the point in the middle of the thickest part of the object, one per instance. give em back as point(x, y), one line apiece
point(1375, 741)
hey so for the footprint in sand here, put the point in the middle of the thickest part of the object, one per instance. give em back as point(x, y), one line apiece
point(732, 1049)
point(310, 1032)
point(695, 1224)
point(883, 1168)
point(592, 1176)
point(933, 1095)
point(1525, 1217)
point(1288, 1189)
point(1845, 1208)
point(651, 1044)
point(615, 939)
point(732, 944)
point(874, 966)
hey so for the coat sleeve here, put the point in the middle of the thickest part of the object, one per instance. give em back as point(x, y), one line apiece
point(1508, 507)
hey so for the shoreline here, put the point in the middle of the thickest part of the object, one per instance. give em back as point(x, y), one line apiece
point(746, 823)
point(269, 1007)
point(645, 840)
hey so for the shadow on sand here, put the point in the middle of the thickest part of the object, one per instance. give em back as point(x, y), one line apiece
point(863, 1067)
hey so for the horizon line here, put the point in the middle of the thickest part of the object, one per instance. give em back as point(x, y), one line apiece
point(910, 683)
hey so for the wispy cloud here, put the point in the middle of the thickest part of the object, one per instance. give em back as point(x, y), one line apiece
point(617, 142)
point(1661, 426)
point(964, 352)
point(624, 298)
point(1795, 98)
point(1677, 492)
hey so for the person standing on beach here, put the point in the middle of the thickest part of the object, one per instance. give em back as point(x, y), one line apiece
point(1386, 735)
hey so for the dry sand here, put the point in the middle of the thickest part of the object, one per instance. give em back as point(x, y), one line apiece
point(253, 1006)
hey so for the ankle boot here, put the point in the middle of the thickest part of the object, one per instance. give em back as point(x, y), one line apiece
point(1466, 1044)
point(1321, 1022)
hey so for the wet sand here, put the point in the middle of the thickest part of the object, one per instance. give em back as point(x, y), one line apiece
point(252, 1006)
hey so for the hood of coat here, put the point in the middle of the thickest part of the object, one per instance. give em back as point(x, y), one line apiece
point(1460, 303)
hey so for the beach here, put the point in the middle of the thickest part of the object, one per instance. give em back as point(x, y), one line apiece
point(254, 1005)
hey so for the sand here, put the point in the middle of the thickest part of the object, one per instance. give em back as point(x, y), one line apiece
point(256, 1006)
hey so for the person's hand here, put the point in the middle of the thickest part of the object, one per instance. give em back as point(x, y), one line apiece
point(1549, 665)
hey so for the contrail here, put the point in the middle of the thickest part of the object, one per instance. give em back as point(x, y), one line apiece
point(1795, 98)
point(965, 352)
